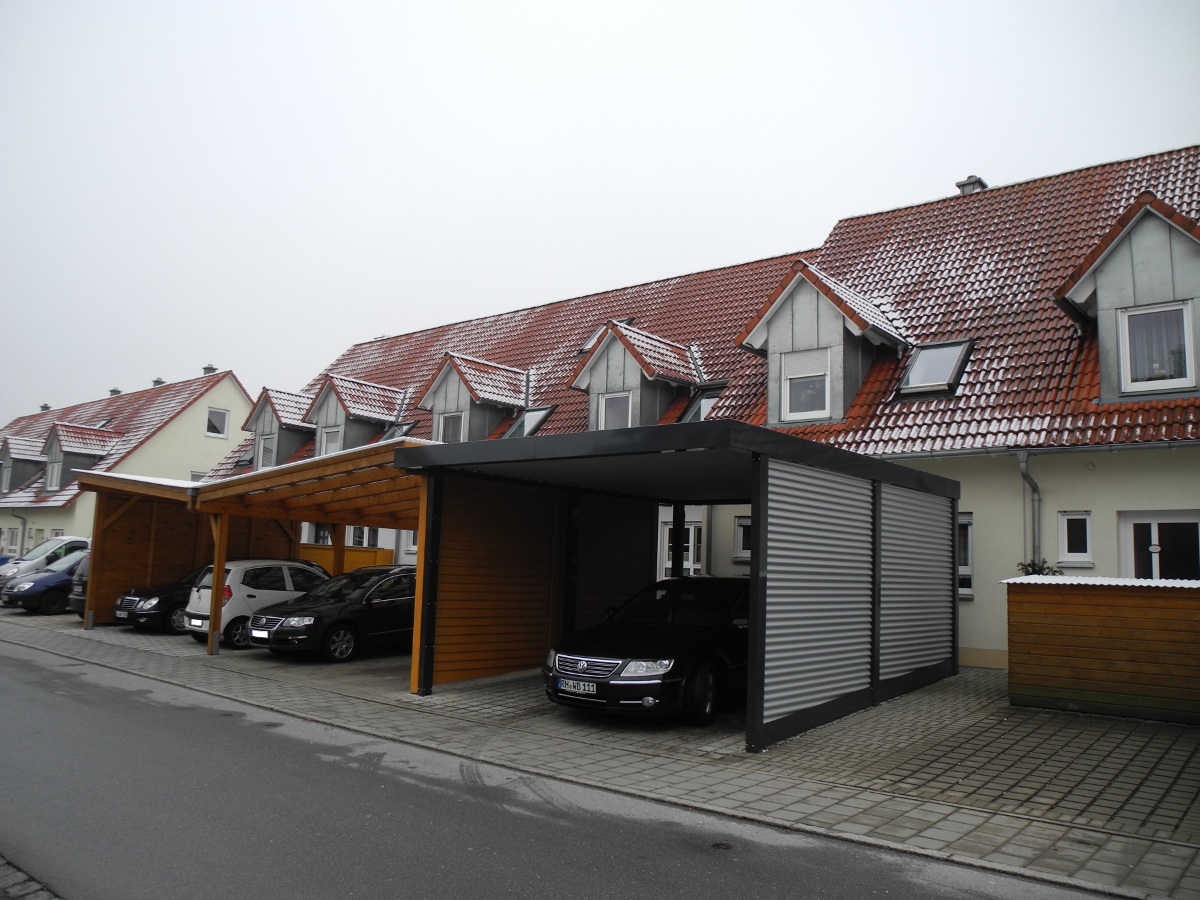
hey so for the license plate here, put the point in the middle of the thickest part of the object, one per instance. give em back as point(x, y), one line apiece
point(122, 614)
point(196, 623)
point(577, 687)
point(254, 632)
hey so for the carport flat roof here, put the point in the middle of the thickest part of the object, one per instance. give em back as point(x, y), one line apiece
point(695, 462)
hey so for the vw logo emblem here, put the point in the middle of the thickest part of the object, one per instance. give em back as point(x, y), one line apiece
point(582, 666)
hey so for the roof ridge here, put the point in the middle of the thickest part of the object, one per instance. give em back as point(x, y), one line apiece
point(1016, 184)
point(486, 362)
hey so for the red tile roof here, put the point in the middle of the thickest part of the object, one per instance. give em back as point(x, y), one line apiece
point(706, 309)
point(486, 382)
point(81, 439)
point(134, 417)
point(364, 399)
point(984, 266)
point(24, 447)
point(288, 408)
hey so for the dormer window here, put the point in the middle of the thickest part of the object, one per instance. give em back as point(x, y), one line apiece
point(54, 463)
point(700, 407)
point(5, 477)
point(331, 441)
point(614, 410)
point(265, 451)
point(935, 367)
point(1155, 348)
point(805, 385)
point(450, 428)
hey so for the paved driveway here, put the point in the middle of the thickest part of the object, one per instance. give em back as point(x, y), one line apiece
point(951, 770)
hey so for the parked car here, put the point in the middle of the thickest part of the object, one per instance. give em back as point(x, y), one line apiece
point(367, 605)
point(44, 554)
point(46, 590)
point(163, 608)
point(249, 584)
point(677, 647)
point(77, 599)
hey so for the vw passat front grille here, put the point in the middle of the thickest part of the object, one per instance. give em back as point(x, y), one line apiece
point(265, 621)
point(586, 665)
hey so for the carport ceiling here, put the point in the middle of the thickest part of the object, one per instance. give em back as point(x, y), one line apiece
point(355, 487)
point(700, 462)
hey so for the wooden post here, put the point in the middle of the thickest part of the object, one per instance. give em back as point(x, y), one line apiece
point(96, 559)
point(338, 535)
point(220, 530)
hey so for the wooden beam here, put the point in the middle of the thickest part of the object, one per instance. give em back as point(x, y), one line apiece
point(328, 483)
point(124, 508)
point(370, 500)
point(338, 536)
point(289, 532)
point(318, 498)
point(220, 527)
point(288, 475)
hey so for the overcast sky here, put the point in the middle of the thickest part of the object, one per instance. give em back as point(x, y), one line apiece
point(260, 185)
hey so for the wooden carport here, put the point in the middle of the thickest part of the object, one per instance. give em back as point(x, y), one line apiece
point(148, 530)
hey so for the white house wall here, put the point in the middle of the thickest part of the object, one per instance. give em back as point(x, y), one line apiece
point(1104, 483)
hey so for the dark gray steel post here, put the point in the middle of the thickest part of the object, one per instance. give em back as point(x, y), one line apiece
point(678, 524)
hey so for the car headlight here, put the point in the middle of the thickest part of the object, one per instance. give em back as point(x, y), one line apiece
point(641, 667)
point(23, 586)
point(297, 621)
point(148, 603)
point(550, 659)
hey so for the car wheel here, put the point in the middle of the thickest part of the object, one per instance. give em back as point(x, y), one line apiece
point(700, 696)
point(53, 603)
point(339, 644)
point(199, 636)
point(177, 620)
point(237, 634)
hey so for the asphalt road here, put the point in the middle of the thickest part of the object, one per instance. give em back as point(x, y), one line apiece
point(115, 786)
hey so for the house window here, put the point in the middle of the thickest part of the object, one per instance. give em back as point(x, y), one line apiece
point(614, 411)
point(266, 451)
point(1156, 350)
point(529, 422)
point(698, 411)
point(450, 428)
point(805, 385)
point(1160, 545)
point(741, 538)
point(56, 532)
point(218, 423)
point(935, 368)
point(966, 556)
point(331, 440)
point(321, 533)
point(1075, 538)
point(364, 537)
point(409, 542)
point(5, 478)
point(693, 548)
point(54, 475)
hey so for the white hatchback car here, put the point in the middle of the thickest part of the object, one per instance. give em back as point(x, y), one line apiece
point(249, 584)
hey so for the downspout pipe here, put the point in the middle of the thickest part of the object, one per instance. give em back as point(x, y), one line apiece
point(1036, 525)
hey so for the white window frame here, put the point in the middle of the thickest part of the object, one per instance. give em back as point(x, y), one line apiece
point(966, 568)
point(54, 475)
point(462, 427)
point(409, 542)
point(5, 477)
point(224, 433)
point(741, 527)
point(56, 532)
point(333, 431)
point(1128, 385)
point(802, 364)
point(262, 443)
point(601, 410)
point(1067, 559)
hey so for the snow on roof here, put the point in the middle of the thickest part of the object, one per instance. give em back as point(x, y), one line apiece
point(84, 440)
point(364, 399)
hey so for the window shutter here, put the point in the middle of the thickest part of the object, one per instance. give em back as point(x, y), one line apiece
point(806, 362)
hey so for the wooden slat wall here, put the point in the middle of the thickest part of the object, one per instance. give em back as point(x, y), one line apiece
point(497, 578)
point(1118, 650)
point(322, 555)
point(617, 554)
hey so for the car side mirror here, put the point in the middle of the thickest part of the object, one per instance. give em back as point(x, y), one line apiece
point(741, 623)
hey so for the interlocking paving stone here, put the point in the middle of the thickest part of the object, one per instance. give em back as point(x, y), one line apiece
point(946, 768)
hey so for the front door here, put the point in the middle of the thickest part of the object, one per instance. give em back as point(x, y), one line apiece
point(693, 548)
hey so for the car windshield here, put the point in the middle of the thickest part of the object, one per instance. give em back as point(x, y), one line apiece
point(191, 577)
point(42, 549)
point(350, 586)
point(703, 603)
point(67, 561)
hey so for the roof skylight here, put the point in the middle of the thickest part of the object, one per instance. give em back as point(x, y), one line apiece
point(936, 367)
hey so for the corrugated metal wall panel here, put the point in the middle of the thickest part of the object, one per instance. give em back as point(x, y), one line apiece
point(916, 622)
point(818, 603)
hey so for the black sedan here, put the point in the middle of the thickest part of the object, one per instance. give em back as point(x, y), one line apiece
point(369, 604)
point(675, 648)
point(161, 607)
